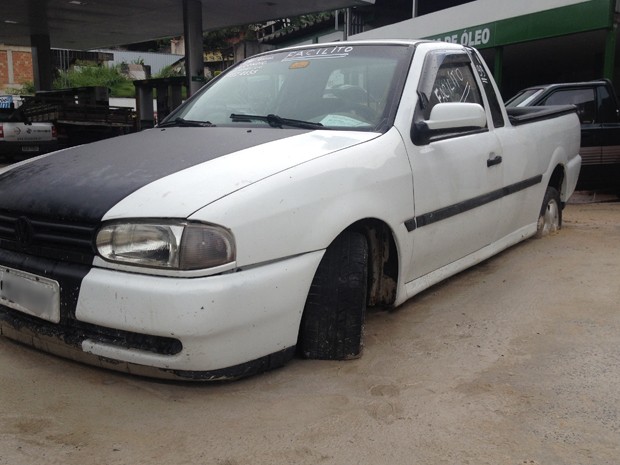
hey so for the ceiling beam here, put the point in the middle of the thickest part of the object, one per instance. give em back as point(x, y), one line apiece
point(90, 24)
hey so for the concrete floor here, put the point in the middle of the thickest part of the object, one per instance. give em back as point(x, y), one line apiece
point(515, 361)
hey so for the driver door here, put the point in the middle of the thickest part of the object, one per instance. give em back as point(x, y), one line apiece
point(457, 174)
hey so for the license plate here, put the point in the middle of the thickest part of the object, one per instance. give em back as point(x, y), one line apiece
point(31, 294)
point(30, 148)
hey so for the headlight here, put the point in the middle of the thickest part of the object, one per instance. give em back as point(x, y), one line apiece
point(172, 245)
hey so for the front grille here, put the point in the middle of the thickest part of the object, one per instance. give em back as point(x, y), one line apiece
point(51, 238)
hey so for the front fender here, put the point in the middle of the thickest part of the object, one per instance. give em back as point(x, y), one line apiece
point(304, 208)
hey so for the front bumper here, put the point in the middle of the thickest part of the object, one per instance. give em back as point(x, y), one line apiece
point(216, 327)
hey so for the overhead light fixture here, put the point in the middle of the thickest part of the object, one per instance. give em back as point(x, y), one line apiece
point(10, 21)
point(77, 2)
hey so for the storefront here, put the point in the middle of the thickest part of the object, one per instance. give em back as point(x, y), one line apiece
point(529, 43)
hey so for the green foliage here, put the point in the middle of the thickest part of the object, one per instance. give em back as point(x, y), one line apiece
point(170, 71)
point(308, 20)
point(83, 76)
point(220, 39)
point(27, 88)
point(123, 89)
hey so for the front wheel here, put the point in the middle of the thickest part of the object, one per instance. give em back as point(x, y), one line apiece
point(333, 319)
point(550, 218)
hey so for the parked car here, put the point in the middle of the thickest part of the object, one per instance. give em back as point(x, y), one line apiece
point(265, 215)
point(599, 113)
point(21, 138)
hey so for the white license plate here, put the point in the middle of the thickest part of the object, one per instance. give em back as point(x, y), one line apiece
point(30, 148)
point(31, 294)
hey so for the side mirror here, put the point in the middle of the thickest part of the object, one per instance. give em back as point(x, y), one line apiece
point(457, 116)
point(449, 120)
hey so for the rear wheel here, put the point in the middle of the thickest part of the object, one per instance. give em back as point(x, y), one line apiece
point(333, 318)
point(550, 218)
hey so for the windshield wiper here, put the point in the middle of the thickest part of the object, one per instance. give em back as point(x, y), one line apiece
point(180, 122)
point(276, 121)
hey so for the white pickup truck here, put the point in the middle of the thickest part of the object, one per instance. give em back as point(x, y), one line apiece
point(264, 216)
point(20, 138)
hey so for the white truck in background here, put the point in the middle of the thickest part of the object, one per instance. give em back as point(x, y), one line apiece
point(21, 138)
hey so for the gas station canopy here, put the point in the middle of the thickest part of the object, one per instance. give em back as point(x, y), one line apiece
point(88, 24)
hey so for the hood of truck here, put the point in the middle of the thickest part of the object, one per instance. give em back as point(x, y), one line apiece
point(169, 172)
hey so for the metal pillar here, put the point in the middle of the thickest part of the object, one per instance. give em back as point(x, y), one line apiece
point(610, 52)
point(194, 61)
point(41, 61)
point(144, 105)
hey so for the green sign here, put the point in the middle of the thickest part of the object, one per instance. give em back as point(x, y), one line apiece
point(581, 17)
point(482, 36)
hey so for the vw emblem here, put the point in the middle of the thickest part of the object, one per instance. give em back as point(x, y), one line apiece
point(23, 231)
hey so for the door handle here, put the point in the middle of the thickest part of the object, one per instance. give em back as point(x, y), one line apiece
point(496, 160)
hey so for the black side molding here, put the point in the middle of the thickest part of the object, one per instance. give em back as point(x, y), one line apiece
point(469, 204)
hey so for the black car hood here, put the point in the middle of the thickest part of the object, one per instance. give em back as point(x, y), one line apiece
point(83, 183)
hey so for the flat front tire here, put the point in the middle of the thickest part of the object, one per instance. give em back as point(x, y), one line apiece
point(333, 319)
point(550, 218)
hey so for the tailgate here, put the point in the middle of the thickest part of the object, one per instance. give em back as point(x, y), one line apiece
point(22, 132)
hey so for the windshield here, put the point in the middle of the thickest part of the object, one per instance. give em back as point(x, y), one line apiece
point(352, 87)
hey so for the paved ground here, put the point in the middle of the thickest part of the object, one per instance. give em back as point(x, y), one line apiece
point(516, 361)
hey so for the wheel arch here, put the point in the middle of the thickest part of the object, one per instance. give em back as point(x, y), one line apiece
point(358, 270)
point(383, 261)
point(558, 182)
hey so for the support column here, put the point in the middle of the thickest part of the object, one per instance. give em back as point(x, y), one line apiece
point(163, 101)
point(9, 64)
point(610, 52)
point(41, 61)
point(194, 60)
point(144, 105)
point(176, 95)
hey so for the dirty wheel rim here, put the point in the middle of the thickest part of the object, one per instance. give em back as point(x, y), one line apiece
point(551, 218)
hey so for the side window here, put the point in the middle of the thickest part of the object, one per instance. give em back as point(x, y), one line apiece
point(448, 76)
point(583, 99)
point(607, 112)
point(454, 82)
